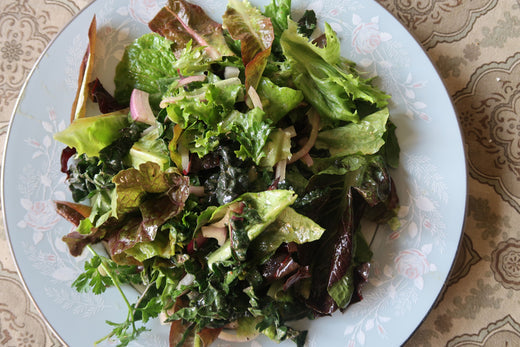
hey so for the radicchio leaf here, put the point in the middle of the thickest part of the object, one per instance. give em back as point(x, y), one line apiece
point(182, 22)
point(73, 212)
point(106, 102)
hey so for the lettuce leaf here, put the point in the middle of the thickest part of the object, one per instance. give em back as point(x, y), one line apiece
point(277, 147)
point(327, 81)
point(150, 147)
point(211, 114)
point(209, 104)
point(251, 130)
point(182, 22)
point(289, 226)
point(277, 101)
point(256, 35)
point(364, 137)
point(268, 205)
point(132, 185)
point(278, 11)
point(90, 135)
point(148, 64)
point(247, 24)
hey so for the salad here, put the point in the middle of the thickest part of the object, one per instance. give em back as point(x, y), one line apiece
point(228, 173)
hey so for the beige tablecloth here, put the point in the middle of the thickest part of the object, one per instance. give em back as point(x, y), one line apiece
point(475, 44)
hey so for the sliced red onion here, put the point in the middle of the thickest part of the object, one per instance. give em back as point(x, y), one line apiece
point(231, 71)
point(280, 169)
point(140, 107)
point(185, 159)
point(255, 99)
point(197, 190)
point(190, 79)
point(314, 120)
point(173, 99)
point(307, 159)
point(215, 232)
point(290, 131)
point(187, 280)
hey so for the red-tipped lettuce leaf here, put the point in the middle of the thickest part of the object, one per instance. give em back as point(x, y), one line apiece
point(132, 185)
point(256, 34)
point(181, 22)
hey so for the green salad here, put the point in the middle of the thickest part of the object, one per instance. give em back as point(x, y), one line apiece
point(228, 173)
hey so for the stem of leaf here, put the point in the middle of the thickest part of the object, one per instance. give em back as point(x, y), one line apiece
point(108, 271)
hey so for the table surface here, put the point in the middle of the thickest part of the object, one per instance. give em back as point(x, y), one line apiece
point(474, 45)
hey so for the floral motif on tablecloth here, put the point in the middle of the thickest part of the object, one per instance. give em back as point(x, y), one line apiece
point(505, 263)
point(488, 110)
point(504, 332)
point(439, 21)
point(20, 324)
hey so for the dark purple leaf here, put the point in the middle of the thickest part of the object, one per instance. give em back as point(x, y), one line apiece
point(106, 102)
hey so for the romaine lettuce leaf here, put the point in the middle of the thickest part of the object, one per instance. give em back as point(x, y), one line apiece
point(277, 147)
point(150, 147)
point(268, 205)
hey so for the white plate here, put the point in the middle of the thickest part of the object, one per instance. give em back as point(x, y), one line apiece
point(410, 265)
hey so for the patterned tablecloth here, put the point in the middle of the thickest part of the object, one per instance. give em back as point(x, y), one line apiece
point(475, 46)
